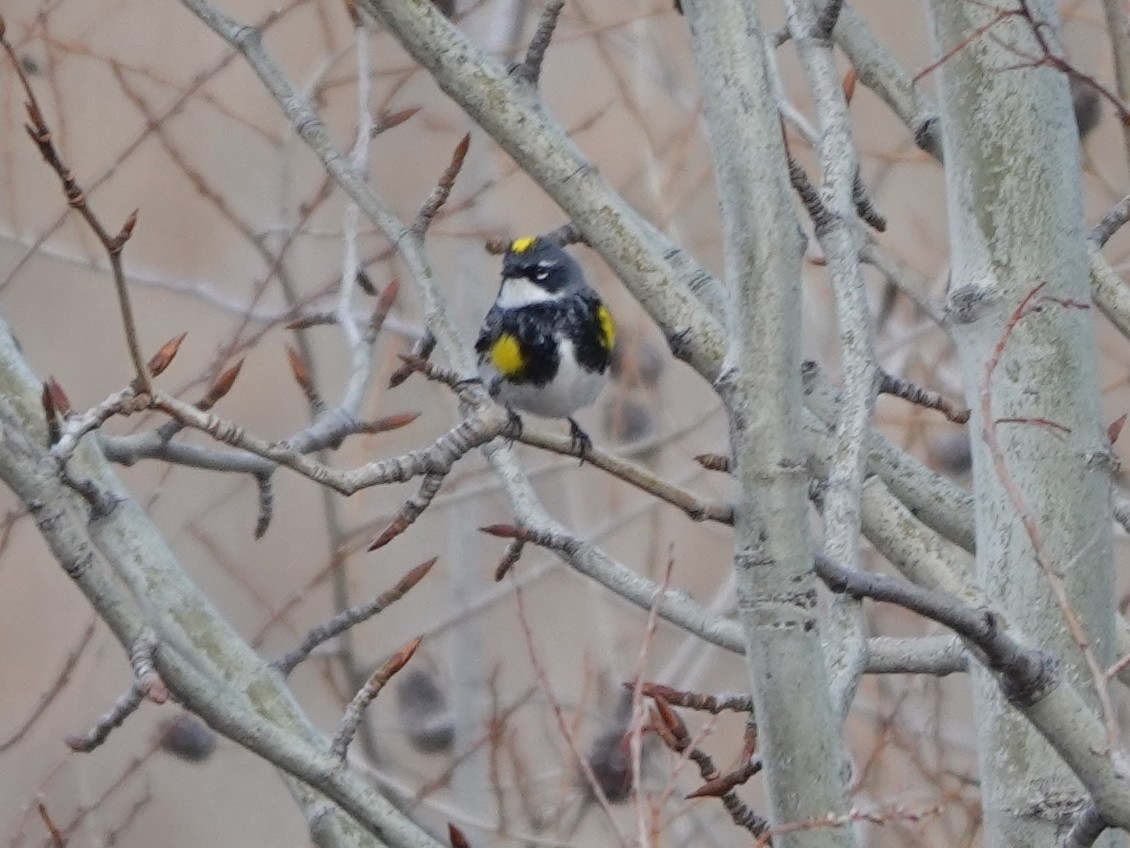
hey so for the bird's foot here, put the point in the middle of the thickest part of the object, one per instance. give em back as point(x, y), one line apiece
point(582, 444)
point(514, 425)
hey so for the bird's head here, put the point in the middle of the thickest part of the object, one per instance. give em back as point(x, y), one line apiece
point(535, 270)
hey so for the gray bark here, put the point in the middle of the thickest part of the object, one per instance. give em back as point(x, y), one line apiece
point(760, 383)
point(1015, 217)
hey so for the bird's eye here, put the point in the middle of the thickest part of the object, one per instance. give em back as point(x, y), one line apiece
point(541, 276)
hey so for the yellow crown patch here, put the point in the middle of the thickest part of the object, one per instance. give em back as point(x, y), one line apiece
point(521, 245)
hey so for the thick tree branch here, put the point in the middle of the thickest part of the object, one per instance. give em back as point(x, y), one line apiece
point(760, 384)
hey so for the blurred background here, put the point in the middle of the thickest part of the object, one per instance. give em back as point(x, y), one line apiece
point(239, 233)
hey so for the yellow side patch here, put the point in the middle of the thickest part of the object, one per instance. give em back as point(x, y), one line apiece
point(607, 327)
point(506, 355)
point(521, 245)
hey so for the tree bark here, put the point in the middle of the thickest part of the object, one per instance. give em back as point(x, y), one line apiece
point(1040, 454)
point(761, 386)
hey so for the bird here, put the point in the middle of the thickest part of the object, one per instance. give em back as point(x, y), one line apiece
point(546, 344)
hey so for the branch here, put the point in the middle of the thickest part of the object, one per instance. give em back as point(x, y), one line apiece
point(122, 709)
point(346, 619)
point(760, 385)
point(889, 384)
point(438, 458)
point(1112, 222)
point(510, 111)
point(840, 240)
point(1027, 673)
point(1086, 829)
point(1029, 678)
point(41, 134)
point(877, 69)
point(366, 695)
point(211, 676)
point(530, 69)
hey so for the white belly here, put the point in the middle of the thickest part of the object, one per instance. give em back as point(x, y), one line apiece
point(570, 389)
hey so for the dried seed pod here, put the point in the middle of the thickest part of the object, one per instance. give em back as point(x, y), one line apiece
point(1087, 105)
point(952, 452)
point(627, 419)
point(638, 362)
point(424, 712)
point(188, 738)
point(610, 759)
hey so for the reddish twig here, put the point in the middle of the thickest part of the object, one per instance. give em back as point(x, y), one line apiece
point(1003, 14)
point(559, 716)
point(635, 731)
point(57, 839)
point(735, 702)
point(671, 729)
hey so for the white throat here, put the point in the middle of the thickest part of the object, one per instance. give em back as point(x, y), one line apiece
point(518, 291)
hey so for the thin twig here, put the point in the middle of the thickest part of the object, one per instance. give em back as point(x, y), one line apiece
point(122, 709)
point(889, 384)
point(57, 839)
point(883, 816)
point(717, 703)
point(559, 716)
point(673, 732)
point(413, 508)
point(1111, 222)
point(443, 188)
point(639, 711)
point(366, 695)
point(40, 133)
point(266, 492)
point(57, 686)
point(351, 617)
point(530, 68)
point(1032, 302)
point(694, 506)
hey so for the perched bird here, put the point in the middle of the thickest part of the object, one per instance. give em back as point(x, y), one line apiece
point(546, 344)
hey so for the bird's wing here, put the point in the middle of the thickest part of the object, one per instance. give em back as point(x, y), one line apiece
point(490, 331)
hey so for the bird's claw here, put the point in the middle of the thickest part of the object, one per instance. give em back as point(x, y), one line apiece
point(514, 425)
point(582, 444)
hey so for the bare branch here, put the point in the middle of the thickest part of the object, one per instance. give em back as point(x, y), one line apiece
point(368, 693)
point(1112, 222)
point(122, 709)
point(41, 134)
point(530, 68)
point(889, 384)
point(443, 188)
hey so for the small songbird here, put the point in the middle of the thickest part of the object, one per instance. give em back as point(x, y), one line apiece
point(546, 344)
